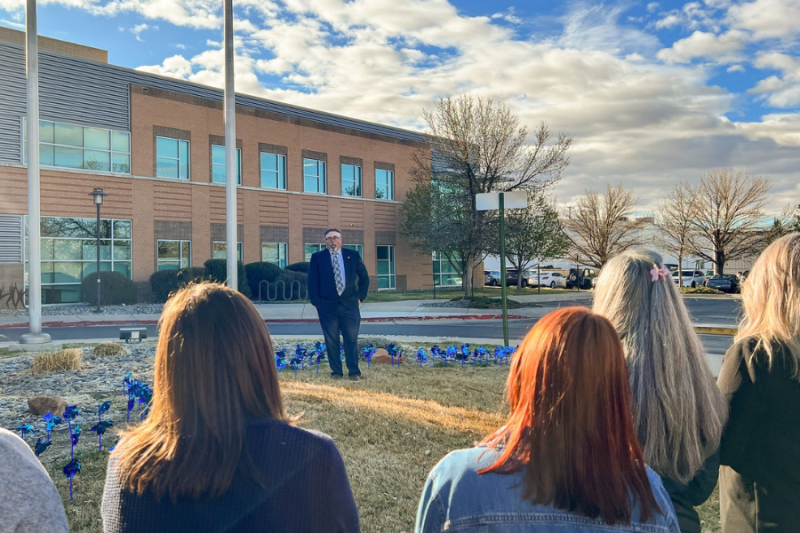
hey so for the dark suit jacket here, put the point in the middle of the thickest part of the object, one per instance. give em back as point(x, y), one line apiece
point(322, 286)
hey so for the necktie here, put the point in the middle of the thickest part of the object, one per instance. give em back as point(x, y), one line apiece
point(337, 273)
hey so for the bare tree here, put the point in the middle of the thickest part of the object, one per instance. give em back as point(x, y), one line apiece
point(730, 215)
point(675, 223)
point(477, 146)
point(601, 226)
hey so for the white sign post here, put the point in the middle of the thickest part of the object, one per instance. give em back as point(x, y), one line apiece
point(502, 201)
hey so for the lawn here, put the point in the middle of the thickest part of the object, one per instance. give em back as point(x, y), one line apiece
point(391, 428)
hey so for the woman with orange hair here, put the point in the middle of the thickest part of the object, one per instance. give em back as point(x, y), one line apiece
point(567, 458)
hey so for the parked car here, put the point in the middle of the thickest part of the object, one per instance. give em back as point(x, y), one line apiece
point(548, 279)
point(723, 282)
point(582, 278)
point(691, 278)
point(511, 277)
point(492, 278)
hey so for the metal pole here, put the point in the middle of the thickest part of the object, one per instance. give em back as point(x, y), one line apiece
point(231, 162)
point(35, 335)
point(539, 276)
point(98, 259)
point(433, 273)
point(503, 269)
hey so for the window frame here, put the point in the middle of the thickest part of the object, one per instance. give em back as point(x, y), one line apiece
point(180, 258)
point(319, 247)
point(282, 249)
point(225, 165)
point(281, 174)
point(239, 247)
point(321, 176)
point(391, 277)
point(178, 159)
point(357, 180)
point(388, 186)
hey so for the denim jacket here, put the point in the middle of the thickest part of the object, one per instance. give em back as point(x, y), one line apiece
point(457, 499)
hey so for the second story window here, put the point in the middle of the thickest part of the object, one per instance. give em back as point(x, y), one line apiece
point(384, 184)
point(81, 147)
point(172, 158)
point(351, 180)
point(314, 175)
point(273, 170)
point(218, 164)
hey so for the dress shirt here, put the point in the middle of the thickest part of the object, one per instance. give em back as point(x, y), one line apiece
point(340, 259)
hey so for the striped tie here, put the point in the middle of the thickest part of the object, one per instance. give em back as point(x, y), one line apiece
point(337, 274)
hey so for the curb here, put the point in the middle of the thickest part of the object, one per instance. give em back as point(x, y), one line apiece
point(716, 330)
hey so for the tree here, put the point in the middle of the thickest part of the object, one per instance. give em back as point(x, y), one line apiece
point(476, 146)
point(534, 233)
point(601, 227)
point(675, 223)
point(787, 223)
point(730, 215)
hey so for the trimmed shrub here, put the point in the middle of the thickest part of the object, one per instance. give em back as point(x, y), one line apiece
point(191, 275)
point(109, 349)
point(299, 267)
point(258, 272)
point(60, 361)
point(217, 270)
point(287, 289)
point(115, 289)
point(700, 290)
point(163, 283)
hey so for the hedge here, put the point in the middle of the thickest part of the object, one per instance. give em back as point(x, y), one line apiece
point(217, 270)
point(165, 282)
point(299, 267)
point(258, 272)
point(115, 289)
point(293, 291)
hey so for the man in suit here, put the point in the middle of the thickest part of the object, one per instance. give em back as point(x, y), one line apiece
point(337, 284)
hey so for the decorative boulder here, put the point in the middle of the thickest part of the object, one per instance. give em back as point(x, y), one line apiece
point(382, 356)
point(41, 405)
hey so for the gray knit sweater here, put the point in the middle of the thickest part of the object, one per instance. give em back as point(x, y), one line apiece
point(29, 502)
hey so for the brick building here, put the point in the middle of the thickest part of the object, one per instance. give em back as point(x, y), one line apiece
point(155, 145)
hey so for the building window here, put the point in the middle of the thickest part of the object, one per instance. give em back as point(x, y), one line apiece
point(351, 180)
point(314, 175)
point(311, 249)
point(219, 250)
point(273, 171)
point(69, 254)
point(357, 247)
point(386, 274)
point(172, 158)
point(173, 255)
point(384, 184)
point(218, 164)
point(444, 274)
point(275, 252)
point(69, 146)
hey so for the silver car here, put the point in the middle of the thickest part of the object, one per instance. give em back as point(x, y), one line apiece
point(691, 278)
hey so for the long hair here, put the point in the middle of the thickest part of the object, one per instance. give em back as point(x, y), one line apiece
point(570, 420)
point(771, 299)
point(214, 368)
point(679, 413)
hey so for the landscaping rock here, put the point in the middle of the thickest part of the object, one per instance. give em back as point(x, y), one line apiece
point(41, 405)
point(382, 357)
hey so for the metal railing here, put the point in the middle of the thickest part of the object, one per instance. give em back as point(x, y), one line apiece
point(278, 288)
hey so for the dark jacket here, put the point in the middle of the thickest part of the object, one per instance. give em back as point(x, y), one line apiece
point(760, 450)
point(322, 287)
point(686, 497)
point(307, 491)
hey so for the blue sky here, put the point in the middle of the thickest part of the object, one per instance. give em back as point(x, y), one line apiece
point(652, 91)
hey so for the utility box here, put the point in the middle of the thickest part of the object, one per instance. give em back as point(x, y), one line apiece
point(133, 333)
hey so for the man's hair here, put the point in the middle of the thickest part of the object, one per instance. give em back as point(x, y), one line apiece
point(330, 230)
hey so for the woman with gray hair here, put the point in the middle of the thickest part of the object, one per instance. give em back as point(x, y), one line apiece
point(679, 413)
point(759, 482)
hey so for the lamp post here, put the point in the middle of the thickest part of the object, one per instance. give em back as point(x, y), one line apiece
point(98, 195)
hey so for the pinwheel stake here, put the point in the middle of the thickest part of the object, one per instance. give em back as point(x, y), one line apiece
point(464, 353)
point(319, 349)
point(369, 351)
point(25, 429)
point(72, 468)
point(74, 435)
point(51, 421)
point(70, 413)
point(100, 429)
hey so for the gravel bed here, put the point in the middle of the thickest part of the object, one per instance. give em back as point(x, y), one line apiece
point(85, 309)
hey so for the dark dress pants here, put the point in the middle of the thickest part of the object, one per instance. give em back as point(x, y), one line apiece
point(347, 321)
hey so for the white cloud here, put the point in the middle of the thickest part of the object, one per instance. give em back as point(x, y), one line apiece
point(723, 48)
point(139, 28)
point(767, 19)
point(669, 21)
point(735, 68)
point(652, 6)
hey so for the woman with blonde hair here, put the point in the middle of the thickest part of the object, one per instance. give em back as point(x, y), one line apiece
point(567, 458)
point(216, 452)
point(679, 413)
point(760, 377)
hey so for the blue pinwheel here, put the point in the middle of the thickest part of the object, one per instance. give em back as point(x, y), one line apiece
point(422, 357)
point(126, 382)
point(25, 429)
point(74, 435)
point(499, 353)
point(393, 352)
point(51, 421)
point(102, 409)
point(299, 358)
point(70, 471)
point(452, 352)
point(480, 356)
point(100, 428)
point(280, 359)
point(319, 349)
point(41, 446)
point(369, 351)
point(464, 353)
point(341, 353)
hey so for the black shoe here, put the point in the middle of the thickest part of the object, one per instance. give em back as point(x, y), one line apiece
point(355, 377)
point(336, 376)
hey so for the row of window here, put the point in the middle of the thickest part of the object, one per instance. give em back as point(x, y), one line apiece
point(82, 147)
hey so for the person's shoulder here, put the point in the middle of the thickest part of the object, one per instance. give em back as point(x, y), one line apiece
point(294, 436)
point(464, 463)
point(317, 255)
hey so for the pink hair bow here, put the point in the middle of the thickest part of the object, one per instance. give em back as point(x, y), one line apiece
point(656, 272)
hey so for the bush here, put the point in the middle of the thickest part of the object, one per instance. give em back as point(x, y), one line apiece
point(217, 270)
point(163, 283)
point(115, 289)
point(700, 290)
point(261, 271)
point(286, 289)
point(60, 361)
point(191, 275)
point(299, 267)
point(109, 349)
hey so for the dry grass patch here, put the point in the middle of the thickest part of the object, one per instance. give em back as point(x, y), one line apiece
point(109, 349)
point(59, 361)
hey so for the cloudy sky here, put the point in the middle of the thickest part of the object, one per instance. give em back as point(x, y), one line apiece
point(652, 92)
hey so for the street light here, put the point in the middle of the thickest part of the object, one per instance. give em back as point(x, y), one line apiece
point(98, 201)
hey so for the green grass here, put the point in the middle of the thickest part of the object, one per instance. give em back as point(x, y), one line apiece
point(449, 294)
point(391, 428)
